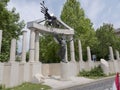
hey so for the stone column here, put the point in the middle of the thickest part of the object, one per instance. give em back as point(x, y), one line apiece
point(66, 55)
point(111, 53)
point(117, 55)
point(32, 46)
point(37, 46)
point(80, 50)
point(88, 53)
point(13, 50)
point(0, 40)
point(24, 46)
point(72, 52)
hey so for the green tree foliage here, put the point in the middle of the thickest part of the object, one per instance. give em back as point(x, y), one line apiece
point(49, 49)
point(95, 72)
point(11, 26)
point(74, 16)
point(106, 38)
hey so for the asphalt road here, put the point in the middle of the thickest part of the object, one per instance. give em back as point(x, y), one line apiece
point(104, 84)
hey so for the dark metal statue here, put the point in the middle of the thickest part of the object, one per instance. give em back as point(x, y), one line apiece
point(50, 20)
point(62, 42)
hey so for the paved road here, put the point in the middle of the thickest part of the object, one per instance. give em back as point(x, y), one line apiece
point(105, 84)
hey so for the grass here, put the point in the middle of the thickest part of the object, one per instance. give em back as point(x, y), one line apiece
point(30, 86)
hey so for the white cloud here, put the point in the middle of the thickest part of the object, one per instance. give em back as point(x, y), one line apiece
point(28, 12)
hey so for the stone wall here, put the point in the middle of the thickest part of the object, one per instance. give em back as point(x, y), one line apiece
point(14, 73)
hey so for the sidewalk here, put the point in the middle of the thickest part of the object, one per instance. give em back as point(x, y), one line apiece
point(58, 84)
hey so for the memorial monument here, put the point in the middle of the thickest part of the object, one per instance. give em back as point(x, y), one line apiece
point(51, 21)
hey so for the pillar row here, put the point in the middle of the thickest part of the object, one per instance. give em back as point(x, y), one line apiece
point(72, 52)
point(0, 40)
point(32, 46)
point(24, 46)
point(13, 50)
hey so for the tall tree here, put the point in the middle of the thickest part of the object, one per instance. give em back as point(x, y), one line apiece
point(74, 16)
point(48, 49)
point(11, 26)
point(106, 37)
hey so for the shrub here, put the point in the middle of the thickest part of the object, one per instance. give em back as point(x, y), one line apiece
point(95, 72)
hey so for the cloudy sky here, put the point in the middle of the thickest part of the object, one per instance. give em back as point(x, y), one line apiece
point(98, 11)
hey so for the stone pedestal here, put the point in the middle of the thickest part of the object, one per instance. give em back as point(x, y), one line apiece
point(116, 66)
point(1, 73)
point(105, 66)
point(73, 68)
point(35, 68)
point(26, 71)
point(68, 70)
point(117, 55)
point(81, 67)
point(0, 40)
point(65, 71)
point(111, 66)
point(14, 74)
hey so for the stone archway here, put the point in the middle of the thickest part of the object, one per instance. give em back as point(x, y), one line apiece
point(35, 29)
point(34, 38)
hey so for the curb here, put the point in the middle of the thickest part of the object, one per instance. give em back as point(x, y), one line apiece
point(95, 80)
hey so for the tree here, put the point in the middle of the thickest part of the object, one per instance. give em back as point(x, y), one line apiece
point(48, 49)
point(74, 16)
point(106, 37)
point(11, 26)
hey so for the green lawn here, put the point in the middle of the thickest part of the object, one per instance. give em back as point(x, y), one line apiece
point(30, 86)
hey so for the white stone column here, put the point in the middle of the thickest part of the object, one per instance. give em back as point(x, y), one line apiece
point(88, 53)
point(72, 52)
point(117, 55)
point(32, 46)
point(90, 62)
point(80, 51)
point(24, 46)
point(13, 50)
point(66, 54)
point(0, 40)
point(111, 53)
point(36, 46)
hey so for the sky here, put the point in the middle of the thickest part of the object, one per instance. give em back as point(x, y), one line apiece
point(98, 11)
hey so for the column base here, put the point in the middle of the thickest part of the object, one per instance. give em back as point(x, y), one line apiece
point(68, 70)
